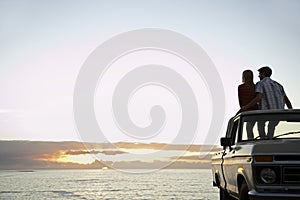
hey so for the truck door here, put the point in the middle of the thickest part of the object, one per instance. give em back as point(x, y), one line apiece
point(229, 162)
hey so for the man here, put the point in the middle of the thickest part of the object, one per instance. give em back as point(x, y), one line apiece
point(269, 95)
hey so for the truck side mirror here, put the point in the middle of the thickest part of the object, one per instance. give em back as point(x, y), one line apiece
point(226, 142)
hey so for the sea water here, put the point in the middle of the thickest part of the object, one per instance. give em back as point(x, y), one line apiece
point(107, 184)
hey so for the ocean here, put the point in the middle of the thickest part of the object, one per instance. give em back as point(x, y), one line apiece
point(107, 184)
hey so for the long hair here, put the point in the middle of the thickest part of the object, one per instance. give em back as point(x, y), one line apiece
point(247, 76)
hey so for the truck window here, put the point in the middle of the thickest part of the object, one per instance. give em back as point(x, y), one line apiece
point(270, 126)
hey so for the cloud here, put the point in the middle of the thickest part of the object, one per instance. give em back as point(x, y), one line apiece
point(34, 150)
point(113, 152)
point(83, 152)
point(45, 155)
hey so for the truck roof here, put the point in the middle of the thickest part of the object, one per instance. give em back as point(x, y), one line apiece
point(275, 111)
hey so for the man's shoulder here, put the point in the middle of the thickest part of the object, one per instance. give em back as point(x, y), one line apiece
point(275, 82)
point(266, 80)
point(260, 82)
point(259, 86)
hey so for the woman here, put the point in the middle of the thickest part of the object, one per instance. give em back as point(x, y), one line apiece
point(246, 93)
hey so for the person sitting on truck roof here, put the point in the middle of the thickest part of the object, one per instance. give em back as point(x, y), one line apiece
point(246, 93)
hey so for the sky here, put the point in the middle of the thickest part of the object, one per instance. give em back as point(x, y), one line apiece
point(46, 44)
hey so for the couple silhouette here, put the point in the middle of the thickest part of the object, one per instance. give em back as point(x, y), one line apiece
point(266, 94)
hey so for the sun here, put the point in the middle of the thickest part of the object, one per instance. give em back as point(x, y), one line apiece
point(80, 159)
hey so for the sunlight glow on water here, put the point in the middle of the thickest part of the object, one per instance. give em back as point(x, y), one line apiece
point(107, 184)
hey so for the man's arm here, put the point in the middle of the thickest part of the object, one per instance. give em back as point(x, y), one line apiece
point(253, 102)
point(287, 102)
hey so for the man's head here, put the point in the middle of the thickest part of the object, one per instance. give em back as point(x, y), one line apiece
point(264, 72)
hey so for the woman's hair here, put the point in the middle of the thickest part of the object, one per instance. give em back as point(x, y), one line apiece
point(247, 76)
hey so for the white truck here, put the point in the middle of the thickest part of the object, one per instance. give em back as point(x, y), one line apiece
point(261, 156)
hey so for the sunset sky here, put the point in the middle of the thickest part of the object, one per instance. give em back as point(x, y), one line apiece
point(20, 155)
point(44, 45)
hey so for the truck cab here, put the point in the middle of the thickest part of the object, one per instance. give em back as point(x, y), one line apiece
point(260, 157)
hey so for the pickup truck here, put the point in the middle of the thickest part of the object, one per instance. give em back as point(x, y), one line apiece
point(260, 157)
